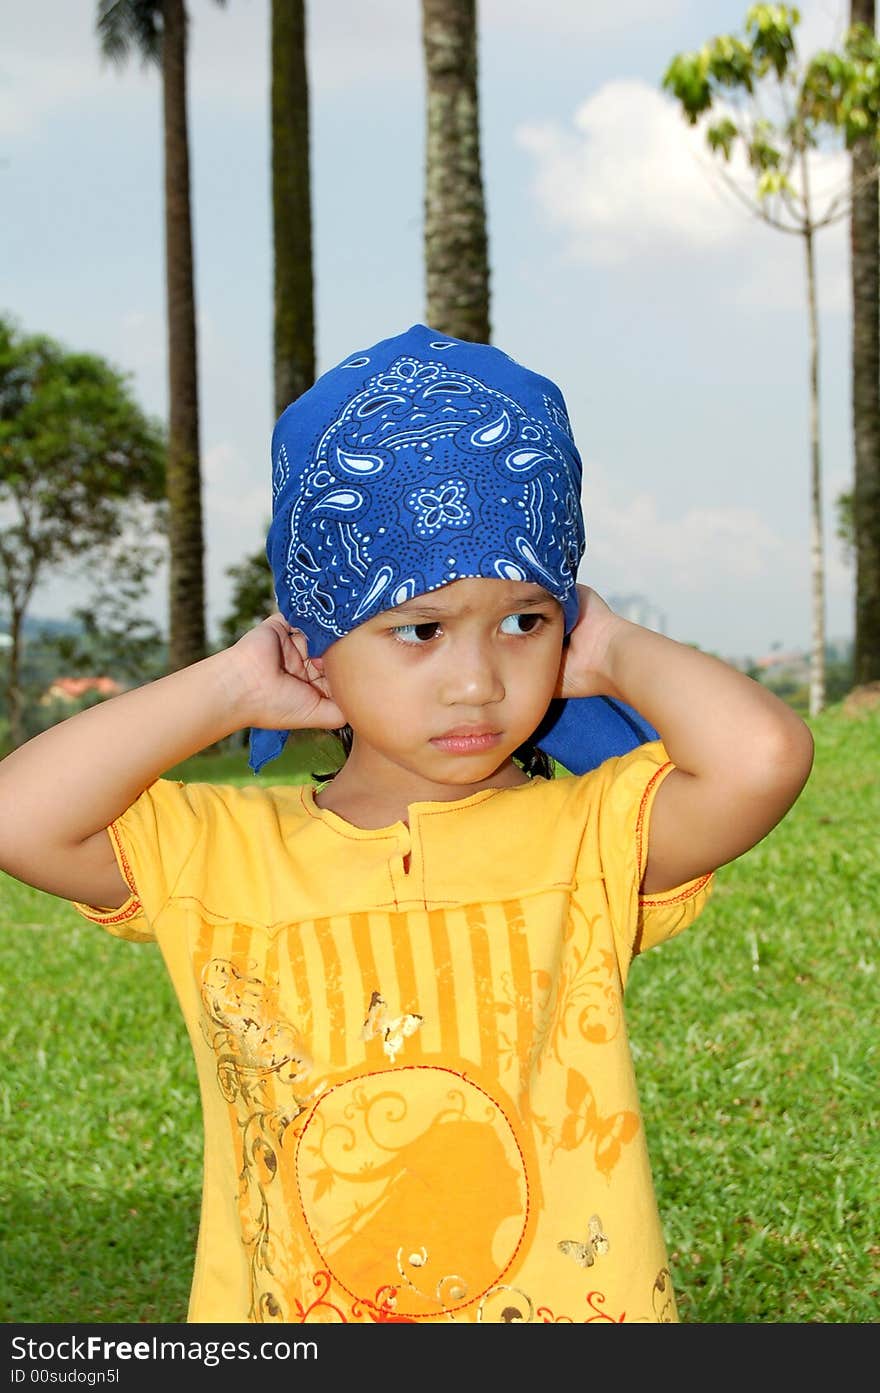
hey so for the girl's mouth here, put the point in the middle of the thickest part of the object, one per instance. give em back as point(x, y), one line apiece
point(466, 740)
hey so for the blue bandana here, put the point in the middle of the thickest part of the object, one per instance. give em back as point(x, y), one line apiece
point(417, 462)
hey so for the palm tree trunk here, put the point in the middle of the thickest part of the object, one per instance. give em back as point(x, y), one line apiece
point(186, 597)
point(865, 272)
point(294, 334)
point(456, 240)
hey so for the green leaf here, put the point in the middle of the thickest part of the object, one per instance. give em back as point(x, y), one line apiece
point(771, 28)
point(686, 78)
point(722, 136)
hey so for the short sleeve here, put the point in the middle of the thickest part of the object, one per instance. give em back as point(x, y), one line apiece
point(626, 800)
point(151, 841)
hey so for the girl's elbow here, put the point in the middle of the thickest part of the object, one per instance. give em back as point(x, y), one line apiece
point(783, 758)
point(801, 747)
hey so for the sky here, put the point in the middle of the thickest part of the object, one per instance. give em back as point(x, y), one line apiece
point(672, 319)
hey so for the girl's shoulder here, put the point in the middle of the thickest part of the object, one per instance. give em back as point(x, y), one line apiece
point(544, 813)
point(620, 776)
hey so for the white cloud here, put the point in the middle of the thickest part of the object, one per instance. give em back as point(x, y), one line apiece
point(732, 543)
point(730, 578)
point(822, 24)
point(627, 178)
point(630, 181)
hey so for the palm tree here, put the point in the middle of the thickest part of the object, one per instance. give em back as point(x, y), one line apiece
point(157, 29)
point(864, 235)
point(456, 241)
point(294, 330)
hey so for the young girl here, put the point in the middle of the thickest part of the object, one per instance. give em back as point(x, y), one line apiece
point(404, 986)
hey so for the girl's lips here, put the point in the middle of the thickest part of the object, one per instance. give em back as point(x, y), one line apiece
point(466, 742)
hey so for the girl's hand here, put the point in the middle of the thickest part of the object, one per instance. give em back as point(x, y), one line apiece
point(60, 791)
point(740, 755)
point(286, 689)
point(586, 659)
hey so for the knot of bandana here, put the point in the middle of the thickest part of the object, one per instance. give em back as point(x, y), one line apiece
point(422, 460)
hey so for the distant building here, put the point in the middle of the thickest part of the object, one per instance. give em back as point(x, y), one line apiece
point(778, 666)
point(638, 610)
point(72, 689)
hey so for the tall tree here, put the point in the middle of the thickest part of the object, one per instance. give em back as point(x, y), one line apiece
point(456, 238)
point(777, 110)
point(865, 272)
point(81, 475)
point(157, 30)
point(294, 321)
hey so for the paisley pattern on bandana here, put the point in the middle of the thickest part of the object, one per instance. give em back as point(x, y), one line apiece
point(426, 475)
point(423, 460)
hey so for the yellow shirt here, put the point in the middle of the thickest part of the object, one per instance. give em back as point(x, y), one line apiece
point(419, 1102)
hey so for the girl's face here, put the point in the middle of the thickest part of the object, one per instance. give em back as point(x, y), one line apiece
point(447, 686)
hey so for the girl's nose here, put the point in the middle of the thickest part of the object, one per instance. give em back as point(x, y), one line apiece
point(472, 677)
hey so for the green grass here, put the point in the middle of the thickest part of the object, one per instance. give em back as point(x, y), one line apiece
point(755, 1037)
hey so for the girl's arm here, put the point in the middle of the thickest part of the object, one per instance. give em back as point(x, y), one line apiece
point(742, 756)
point(61, 790)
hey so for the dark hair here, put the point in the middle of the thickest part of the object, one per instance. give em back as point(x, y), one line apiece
point(534, 762)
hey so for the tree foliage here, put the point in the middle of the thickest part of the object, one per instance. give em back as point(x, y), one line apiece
point(127, 26)
point(109, 634)
point(81, 466)
point(761, 100)
point(774, 107)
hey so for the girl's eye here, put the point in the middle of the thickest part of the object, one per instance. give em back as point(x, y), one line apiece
point(415, 634)
point(521, 623)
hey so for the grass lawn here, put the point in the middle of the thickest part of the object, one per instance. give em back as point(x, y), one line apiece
point(755, 1038)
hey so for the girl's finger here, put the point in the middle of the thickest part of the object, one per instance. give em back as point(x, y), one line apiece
point(300, 643)
point(317, 679)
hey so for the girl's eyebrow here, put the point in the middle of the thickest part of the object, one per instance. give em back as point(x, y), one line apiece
point(423, 608)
